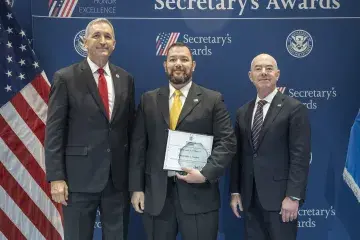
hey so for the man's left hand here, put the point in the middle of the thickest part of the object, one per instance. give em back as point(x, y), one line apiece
point(289, 209)
point(192, 176)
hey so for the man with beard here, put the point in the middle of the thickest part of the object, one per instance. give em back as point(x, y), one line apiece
point(170, 201)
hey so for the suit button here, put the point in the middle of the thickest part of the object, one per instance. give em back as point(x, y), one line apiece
point(109, 128)
point(108, 150)
point(255, 155)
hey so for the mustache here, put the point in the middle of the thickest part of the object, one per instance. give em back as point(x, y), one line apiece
point(178, 69)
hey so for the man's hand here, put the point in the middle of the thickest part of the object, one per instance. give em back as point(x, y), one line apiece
point(192, 176)
point(236, 203)
point(138, 201)
point(289, 209)
point(59, 192)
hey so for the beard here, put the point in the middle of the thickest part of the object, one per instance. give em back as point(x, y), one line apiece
point(182, 79)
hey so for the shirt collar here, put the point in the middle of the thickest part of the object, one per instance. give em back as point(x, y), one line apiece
point(268, 98)
point(184, 90)
point(95, 67)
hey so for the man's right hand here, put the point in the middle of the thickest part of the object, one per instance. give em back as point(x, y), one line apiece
point(59, 192)
point(236, 203)
point(138, 201)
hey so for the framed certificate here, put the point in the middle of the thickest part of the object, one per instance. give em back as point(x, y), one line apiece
point(184, 149)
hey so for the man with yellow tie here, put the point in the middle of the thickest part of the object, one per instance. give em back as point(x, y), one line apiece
point(170, 202)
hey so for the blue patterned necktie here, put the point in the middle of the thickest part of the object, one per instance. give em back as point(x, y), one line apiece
point(257, 124)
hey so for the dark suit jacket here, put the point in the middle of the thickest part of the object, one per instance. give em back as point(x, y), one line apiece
point(209, 116)
point(281, 163)
point(81, 144)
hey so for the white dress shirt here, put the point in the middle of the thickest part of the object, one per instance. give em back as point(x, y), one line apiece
point(184, 93)
point(109, 82)
point(266, 107)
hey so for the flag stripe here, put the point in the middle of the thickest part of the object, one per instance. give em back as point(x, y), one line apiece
point(15, 146)
point(8, 228)
point(36, 103)
point(161, 51)
point(42, 87)
point(2, 237)
point(70, 9)
point(158, 43)
point(29, 116)
point(44, 78)
point(27, 160)
point(169, 42)
point(16, 215)
point(64, 12)
point(18, 209)
point(22, 130)
point(56, 11)
point(173, 39)
point(30, 186)
point(63, 7)
point(52, 8)
point(26, 204)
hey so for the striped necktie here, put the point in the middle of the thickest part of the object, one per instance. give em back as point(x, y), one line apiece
point(257, 124)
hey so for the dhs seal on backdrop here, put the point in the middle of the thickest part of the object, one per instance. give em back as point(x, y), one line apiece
point(79, 43)
point(299, 43)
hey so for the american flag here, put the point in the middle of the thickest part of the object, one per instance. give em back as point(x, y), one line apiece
point(164, 41)
point(26, 208)
point(61, 8)
point(281, 89)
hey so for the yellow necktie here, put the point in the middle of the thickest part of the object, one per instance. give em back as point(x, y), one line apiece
point(175, 110)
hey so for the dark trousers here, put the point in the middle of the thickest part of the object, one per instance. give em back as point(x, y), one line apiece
point(172, 219)
point(266, 225)
point(80, 214)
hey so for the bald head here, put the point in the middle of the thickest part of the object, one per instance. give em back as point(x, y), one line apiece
point(261, 57)
point(264, 74)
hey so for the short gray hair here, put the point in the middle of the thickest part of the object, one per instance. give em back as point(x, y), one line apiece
point(98, 20)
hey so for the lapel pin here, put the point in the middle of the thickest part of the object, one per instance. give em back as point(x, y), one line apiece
point(279, 105)
point(196, 100)
point(117, 75)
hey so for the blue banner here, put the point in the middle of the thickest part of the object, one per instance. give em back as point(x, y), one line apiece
point(316, 44)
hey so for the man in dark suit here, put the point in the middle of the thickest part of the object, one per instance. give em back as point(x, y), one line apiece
point(170, 201)
point(269, 172)
point(91, 108)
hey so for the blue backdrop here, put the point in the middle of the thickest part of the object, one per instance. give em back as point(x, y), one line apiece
point(316, 44)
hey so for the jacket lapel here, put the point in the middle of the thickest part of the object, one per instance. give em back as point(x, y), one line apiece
point(118, 89)
point(193, 98)
point(274, 109)
point(163, 102)
point(88, 77)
